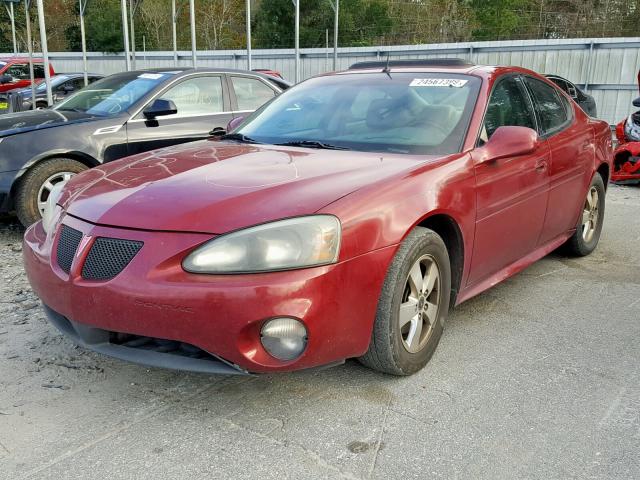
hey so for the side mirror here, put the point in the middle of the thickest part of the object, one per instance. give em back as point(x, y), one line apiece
point(233, 124)
point(636, 102)
point(218, 132)
point(508, 142)
point(159, 108)
point(6, 79)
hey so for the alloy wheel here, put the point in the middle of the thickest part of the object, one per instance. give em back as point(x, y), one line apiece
point(590, 215)
point(420, 304)
point(47, 186)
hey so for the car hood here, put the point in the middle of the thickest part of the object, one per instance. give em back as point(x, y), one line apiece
point(20, 122)
point(215, 187)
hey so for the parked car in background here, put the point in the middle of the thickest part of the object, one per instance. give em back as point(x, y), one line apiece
point(120, 115)
point(626, 159)
point(14, 72)
point(340, 220)
point(62, 86)
point(586, 101)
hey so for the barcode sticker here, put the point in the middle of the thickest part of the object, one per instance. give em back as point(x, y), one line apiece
point(438, 82)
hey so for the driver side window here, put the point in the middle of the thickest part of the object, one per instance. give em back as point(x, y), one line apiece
point(508, 106)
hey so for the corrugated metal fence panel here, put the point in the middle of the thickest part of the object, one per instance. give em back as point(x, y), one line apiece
point(608, 66)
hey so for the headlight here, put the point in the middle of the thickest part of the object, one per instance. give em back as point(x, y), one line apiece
point(52, 209)
point(631, 129)
point(286, 244)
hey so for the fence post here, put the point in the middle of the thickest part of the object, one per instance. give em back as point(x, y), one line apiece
point(589, 61)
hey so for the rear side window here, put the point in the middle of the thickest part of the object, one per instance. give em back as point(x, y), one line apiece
point(552, 110)
point(251, 93)
point(508, 106)
point(19, 71)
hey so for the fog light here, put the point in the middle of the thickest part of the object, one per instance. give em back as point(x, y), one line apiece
point(284, 338)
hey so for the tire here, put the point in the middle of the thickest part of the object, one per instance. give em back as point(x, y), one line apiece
point(32, 185)
point(42, 105)
point(393, 349)
point(585, 239)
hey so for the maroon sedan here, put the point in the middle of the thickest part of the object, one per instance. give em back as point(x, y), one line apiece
point(343, 219)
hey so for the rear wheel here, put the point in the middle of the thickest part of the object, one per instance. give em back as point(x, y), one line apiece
point(412, 307)
point(37, 183)
point(587, 234)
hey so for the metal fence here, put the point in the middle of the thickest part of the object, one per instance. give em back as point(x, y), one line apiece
point(606, 68)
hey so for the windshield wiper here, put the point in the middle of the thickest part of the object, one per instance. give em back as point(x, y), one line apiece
point(312, 144)
point(71, 109)
point(238, 137)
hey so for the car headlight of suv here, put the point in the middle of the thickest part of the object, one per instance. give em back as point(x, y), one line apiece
point(52, 209)
point(281, 245)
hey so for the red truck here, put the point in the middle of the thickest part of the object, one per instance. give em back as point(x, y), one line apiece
point(14, 72)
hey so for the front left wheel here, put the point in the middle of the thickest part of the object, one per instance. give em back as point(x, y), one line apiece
point(413, 305)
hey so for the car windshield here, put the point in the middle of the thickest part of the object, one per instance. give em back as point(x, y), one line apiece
point(421, 113)
point(113, 94)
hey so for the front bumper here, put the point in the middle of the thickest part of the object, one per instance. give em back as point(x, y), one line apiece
point(220, 314)
point(626, 164)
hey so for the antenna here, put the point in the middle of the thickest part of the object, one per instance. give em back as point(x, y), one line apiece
point(386, 68)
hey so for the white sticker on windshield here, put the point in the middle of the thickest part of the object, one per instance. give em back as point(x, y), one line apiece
point(151, 76)
point(438, 82)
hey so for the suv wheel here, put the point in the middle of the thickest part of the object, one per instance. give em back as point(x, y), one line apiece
point(37, 183)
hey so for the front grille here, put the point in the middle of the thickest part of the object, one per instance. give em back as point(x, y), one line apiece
point(108, 257)
point(159, 345)
point(67, 245)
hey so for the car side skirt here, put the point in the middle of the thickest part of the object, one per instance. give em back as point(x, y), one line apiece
point(512, 269)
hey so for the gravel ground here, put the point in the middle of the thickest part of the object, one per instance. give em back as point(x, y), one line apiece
point(537, 378)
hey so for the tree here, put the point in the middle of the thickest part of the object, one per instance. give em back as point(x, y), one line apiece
point(362, 22)
point(499, 19)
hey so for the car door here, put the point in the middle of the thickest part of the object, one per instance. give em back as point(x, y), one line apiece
point(511, 193)
point(571, 147)
point(249, 92)
point(202, 103)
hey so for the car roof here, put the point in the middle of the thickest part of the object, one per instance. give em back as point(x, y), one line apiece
point(482, 71)
point(181, 70)
point(279, 82)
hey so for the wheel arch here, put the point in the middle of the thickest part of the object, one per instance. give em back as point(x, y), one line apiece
point(605, 173)
point(449, 230)
point(81, 157)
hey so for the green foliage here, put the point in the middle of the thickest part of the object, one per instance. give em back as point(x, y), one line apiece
point(361, 21)
point(103, 24)
point(499, 18)
point(220, 24)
